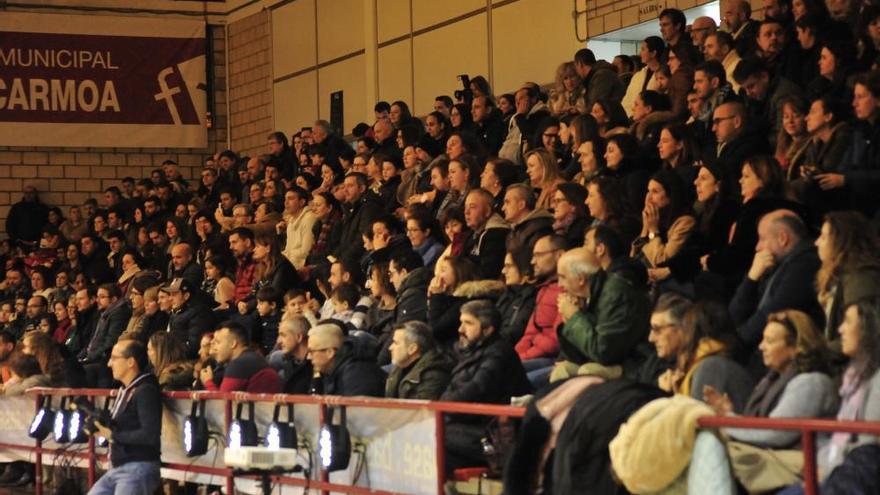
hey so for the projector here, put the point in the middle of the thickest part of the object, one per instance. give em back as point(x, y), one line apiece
point(260, 458)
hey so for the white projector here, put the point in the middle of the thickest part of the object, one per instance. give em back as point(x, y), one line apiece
point(260, 458)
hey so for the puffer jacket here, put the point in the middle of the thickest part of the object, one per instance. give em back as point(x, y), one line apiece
point(354, 371)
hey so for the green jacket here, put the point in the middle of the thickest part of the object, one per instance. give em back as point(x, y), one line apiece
point(611, 326)
point(426, 379)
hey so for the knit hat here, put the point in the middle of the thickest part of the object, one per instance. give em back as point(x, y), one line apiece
point(574, 194)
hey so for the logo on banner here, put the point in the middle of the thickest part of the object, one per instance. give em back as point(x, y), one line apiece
point(167, 92)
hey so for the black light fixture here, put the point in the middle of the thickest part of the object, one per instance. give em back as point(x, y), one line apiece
point(195, 431)
point(76, 424)
point(243, 432)
point(334, 443)
point(44, 419)
point(61, 422)
point(281, 435)
point(99, 440)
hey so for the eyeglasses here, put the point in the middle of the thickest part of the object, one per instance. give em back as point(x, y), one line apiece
point(660, 328)
point(413, 230)
point(718, 120)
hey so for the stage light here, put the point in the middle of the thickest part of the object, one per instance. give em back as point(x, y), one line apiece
point(44, 419)
point(281, 435)
point(243, 432)
point(195, 431)
point(334, 443)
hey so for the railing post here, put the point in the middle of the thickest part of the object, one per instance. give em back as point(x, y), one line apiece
point(227, 421)
point(809, 444)
point(38, 459)
point(322, 420)
point(91, 450)
point(440, 455)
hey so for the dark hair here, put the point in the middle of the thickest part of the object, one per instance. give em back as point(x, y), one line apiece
point(348, 294)
point(485, 311)
point(676, 16)
point(382, 106)
point(505, 170)
point(483, 85)
point(609, 238)
point(749, 67)
point(627, 61)
point(407, 259)
point(268, 294)
point(280, 137)
point(614, 110)
point(445, 100)
point(657, 101)
point(243, 233)
point(869, 342)
point(585, 56)
point(136, 350)
point(709, 320)
point(238, 332)
point(627, 143)
point(768, 170)
point(613, 194)
point(713, 69)
point(405, 114)
point(511, 100)
point(683, 134)
point(24, 365)
point(655, 44)
point(724, 38)
point(112, 289)
point(381, 271)
point(833, 105)
point(676, 191)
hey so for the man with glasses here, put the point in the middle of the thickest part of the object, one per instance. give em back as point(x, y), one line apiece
point(539, 346)
point(114, 315)
point(345, 365)
point(243, 369)
point(37, 307)
point(736, 142)
point(135, 431)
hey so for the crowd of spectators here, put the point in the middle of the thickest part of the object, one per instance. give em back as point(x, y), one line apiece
point(700, 218)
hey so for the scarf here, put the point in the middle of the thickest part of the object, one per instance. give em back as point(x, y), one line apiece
point(767, 393)
point(852, 398)
point(706, 348)
point(326, 226)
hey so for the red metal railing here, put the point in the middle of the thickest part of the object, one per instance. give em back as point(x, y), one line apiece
point(807, 427)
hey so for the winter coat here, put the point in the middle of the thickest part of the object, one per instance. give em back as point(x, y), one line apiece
point(412, 297)
point(177, 376)
point(732, 155)
point(516, 306)
point(856, 282)
point(789, 285)
point(111, 324)
point(426, 379)
point(189, 323)
point(523, 236)
point(614, 321)
point(444, 310)
point(602, 82)
point(485, 247)
point(300, 237)
point(539, 339)
point(487, 372)
point(358, 220)
point(354, 371)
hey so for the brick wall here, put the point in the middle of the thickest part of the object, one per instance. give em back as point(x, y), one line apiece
point(250, 83)
point(608, 15)
point(68, 176)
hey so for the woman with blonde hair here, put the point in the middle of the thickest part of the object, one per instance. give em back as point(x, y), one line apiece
point(850, 271)
point(543, 175)
point(797, 384)
point(567, 95)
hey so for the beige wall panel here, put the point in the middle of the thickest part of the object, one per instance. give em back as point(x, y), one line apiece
point(393, 19)
point(530, 51)
point(340, 28)
point(395, 73)
point(429, 12)
point(293, 37)
point(296, 102)
point(440, 55)
point(347, 76)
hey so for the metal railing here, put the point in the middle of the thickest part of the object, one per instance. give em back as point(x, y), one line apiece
point(807, 427)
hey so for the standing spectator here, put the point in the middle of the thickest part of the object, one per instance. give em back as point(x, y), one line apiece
point(599, 79)
point(26, 218)
point(567, 96)
point(114, 316)
point(651, 53)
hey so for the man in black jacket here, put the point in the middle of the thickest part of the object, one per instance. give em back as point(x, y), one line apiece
point(489, 232)
point(113, 319)
point(293, 367)
point(782, 276)
point(359, 217)
point(135, 430)
point(736, 142)
point(347, 365)
point(190, 318)
point(490, 126)
point(488, 371)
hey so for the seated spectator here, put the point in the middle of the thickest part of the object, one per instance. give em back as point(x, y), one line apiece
point(667, 226)
point(421, 370)
point(243, 369)
point(835, 62)
point(265, 333)
point(294, 368)
point(62, 368)
point(781, 277)
point(189, 317)
point(444, 302)
point(488, 234)
point(850, 269)
point(793, 139)
point(567, 96)
point(422, 231)
point(862, 176)
point(272, 268)
point(364, 210)
point(543, 175)
point(678, 151)
point(528, 223)
point(64, 324)
point(646, 103)
point(25, 373)
point(830, 147)
point(346, 366)
point(218, 284)
point(591, 160)
point(155, 317)
point(166, 355)
point(797, 383)
point(241, 243)
point(517, 303)
point(764, 92)
point(737, 141)
point(114, 316)
point(7, 346)
point(861, 382)
point(488, 371)
point(570, 213)
point(699, 339)
point(347, 308)
point(611, 117)
point(605, 308)
point(623, 162)
point(717, 213)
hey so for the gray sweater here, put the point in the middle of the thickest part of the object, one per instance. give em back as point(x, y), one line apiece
point(869, 411)
point(807, 395)
point(727, 377)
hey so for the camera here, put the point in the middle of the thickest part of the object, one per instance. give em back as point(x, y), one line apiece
point(91, 415)
point(464, 95)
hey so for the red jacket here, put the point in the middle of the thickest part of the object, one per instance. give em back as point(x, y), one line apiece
point(539, 339)
point(250, 373)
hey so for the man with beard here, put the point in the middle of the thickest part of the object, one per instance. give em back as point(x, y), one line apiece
point(488, 371)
